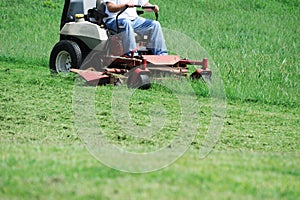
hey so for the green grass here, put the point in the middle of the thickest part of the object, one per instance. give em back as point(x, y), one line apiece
point(70, 172)
point(42, 157)
point(254, 44)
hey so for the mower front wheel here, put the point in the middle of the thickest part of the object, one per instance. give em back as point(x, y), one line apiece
point(65, 55)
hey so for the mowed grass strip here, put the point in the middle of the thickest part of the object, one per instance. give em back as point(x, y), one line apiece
point(42, 156)
point(68, 171)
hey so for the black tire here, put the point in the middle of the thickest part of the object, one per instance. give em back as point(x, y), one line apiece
point(142, 82)
point(65, 54)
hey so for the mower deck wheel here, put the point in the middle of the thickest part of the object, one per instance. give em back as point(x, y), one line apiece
point(140, 81)
point(144, 82)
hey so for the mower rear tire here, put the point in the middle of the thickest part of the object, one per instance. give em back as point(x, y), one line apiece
point(66, 54)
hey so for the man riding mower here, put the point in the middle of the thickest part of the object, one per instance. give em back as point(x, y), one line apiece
point(105, 47)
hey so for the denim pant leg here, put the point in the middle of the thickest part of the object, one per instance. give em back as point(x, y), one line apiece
point(127, 33)
point(153, 29)
point(140, 26)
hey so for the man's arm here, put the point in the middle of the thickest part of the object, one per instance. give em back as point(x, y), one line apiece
point(112, 7)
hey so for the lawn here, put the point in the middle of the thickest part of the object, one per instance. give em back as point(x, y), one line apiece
point(253, 46)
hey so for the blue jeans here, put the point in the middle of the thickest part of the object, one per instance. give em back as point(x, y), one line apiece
point(140, 26)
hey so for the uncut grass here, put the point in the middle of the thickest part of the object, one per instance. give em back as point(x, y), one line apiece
point(29, 29)
point(255, 45)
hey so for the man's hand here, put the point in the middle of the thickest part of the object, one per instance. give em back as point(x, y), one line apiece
point(156, 8)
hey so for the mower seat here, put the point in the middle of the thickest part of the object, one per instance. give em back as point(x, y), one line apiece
point(97, 14)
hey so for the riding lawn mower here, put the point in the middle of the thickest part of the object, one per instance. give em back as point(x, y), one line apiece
point(88, 48)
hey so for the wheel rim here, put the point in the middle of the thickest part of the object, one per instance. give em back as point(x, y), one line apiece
point(63, 62)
